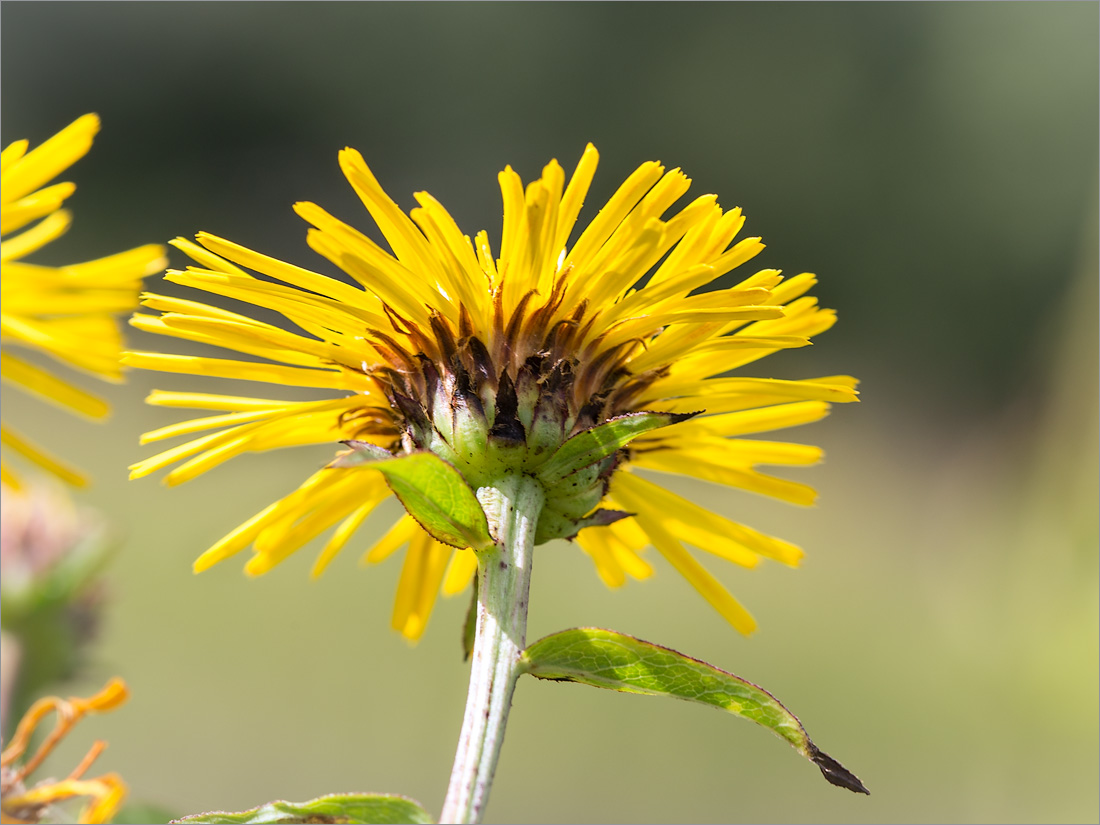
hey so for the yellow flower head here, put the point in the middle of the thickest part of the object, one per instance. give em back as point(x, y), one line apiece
point(67, 312)
point(105, 793)
point(443, 345)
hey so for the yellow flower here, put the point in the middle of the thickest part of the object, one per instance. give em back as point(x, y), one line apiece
point(64, 312)
point(445, 346)
point(105, 793)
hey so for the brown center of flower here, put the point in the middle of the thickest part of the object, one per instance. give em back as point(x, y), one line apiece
point(530, 380)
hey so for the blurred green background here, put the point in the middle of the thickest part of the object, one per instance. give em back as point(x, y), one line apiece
point(935, 164)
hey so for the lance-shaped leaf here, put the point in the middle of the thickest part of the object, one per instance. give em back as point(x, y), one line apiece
point(383, 809)
point(433, 492)
point(603, 658)
point(596, 443)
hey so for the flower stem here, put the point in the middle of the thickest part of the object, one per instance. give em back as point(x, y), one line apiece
point(512, 507)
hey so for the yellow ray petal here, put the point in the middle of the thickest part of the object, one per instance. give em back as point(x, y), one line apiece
point(123, 269)
point(645, 325)
point(793, 288)
point(288, 273)
point(257, 438)
point(678, 393)
point(341, 537)
point(51, 388)
point(465, 281)
point(266, 413)
point(8, 476)
point(611, 215)
point(687, 521)
point(36, 455)
point(42, 233)
point(575, 192)
point(632, 564)
point(243, 339)
point(405, 619)
point(208, 259)
point(91, 344)
point(208, 401)
point(12, 153)
point(33, 207)
point(296, 305)
point(49, 159)
point(594, 543)
point(729, 451)
point(408, 244)
point(397, 536)
point(333, 500)
point(691, 252)
point(462, 568)
point(766, 419)
point(241, 370)
point(368, 263)
point(698, 576)
point(431, 575)
point(698, 466)
point(237, 539)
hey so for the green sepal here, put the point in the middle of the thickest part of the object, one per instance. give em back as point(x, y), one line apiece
point(553, 525)
point(362, 452)
point(603, 658)
point(575, 500)
point(600, 518)
point(596, 443)
point(547, 428)
point(470, 434)
point(382, 809)
point(432, 491)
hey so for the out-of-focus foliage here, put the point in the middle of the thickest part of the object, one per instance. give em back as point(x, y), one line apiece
point(929, 162)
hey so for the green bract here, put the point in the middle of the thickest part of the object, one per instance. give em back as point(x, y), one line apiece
point(433, 492)
point(595, 444)
point(436, 485)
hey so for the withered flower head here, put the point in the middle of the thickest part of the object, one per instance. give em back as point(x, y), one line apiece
point(18, 804)
point(51, 593)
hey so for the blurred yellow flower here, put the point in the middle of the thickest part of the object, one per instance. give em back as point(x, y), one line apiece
point(443, 343)
point(64, 312)
point(19, 804)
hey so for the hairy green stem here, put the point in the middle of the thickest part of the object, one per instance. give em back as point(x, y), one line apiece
point(512, 507)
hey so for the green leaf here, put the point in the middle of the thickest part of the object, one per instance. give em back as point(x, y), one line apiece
point(381, 809)
point(597, 443)
point(433, 492)
point(603, 658)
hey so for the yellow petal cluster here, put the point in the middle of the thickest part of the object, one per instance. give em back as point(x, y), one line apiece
point(625, 298)
point(67, 313)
